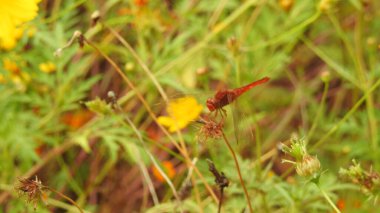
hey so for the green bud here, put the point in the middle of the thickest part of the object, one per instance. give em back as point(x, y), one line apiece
point(308, 166)
point(98, 106)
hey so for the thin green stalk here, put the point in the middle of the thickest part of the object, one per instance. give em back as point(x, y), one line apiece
point(239, 172)
point(167, 179)
point(372, 122)
point(140, 61)
point(319, 112)
point(258, 145)
point(216, 14)
point(348, 115)
point(344, 38)
point(64, 197)
point(329, 200)
point(343, 72)
point(286, 34)
point(238, 70)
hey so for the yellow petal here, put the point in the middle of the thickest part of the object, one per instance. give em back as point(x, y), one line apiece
point(165, 121)
point(13, 13)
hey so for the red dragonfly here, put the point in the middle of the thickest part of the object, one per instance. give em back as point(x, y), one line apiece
point(225, 97)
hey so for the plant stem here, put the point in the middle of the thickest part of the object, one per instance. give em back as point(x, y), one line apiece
point(319, 112)
point(220, 199)
point(238, 169)
point(329, 200)
point(65, 197)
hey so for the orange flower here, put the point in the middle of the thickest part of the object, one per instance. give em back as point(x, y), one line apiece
point(76, 119)
point(167, 167)
point(141, 3)
point(341, 204)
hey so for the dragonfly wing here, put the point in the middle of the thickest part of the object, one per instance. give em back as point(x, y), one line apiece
point(235, 116)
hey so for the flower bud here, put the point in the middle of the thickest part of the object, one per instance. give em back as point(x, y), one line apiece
point(286, 4)
point(325, 76)
point(325, 5)
point(308, 166)
point(233, 45)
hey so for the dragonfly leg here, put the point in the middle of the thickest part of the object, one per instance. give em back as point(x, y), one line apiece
point(224, 112)
point(223, 115)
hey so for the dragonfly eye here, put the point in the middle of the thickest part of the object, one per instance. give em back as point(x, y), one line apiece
point(210, 103)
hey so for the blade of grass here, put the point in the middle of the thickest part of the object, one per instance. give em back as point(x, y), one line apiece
point(347, 116)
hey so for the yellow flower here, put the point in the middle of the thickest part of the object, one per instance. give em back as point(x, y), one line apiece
point(181, 112)
point(10, 66)
point(12, 15)
point(2, 79)
point(18, 77)
point(47, 67)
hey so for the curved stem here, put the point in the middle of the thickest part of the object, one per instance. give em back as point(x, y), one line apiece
point(65, 197)
point(238, 169)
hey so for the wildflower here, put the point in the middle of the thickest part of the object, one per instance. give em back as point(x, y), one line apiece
point(181, 112)
point(168, 168)
point(306, 165)
point(341, 204)
point(286, 4)
point(19, 78)
point(2, 79)
point(141, 3)
point(12, 15)
point(76, 119)
point(33, 189)
point(47, 67)
point(10, 66)
point(325, 5)
point(130, 66)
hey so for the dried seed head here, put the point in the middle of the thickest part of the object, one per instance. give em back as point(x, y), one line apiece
point(33, 189)
point(369, 181)
point(210, 129)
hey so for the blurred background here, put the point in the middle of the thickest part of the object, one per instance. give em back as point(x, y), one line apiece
point(132, 149)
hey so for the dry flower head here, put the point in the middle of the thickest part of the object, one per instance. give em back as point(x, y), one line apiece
point(32, 189)
point(210, 129)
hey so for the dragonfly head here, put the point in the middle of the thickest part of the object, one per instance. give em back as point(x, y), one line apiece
point(210, 103)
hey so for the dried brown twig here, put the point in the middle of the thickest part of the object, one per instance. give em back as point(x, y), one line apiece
point(220, 179)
